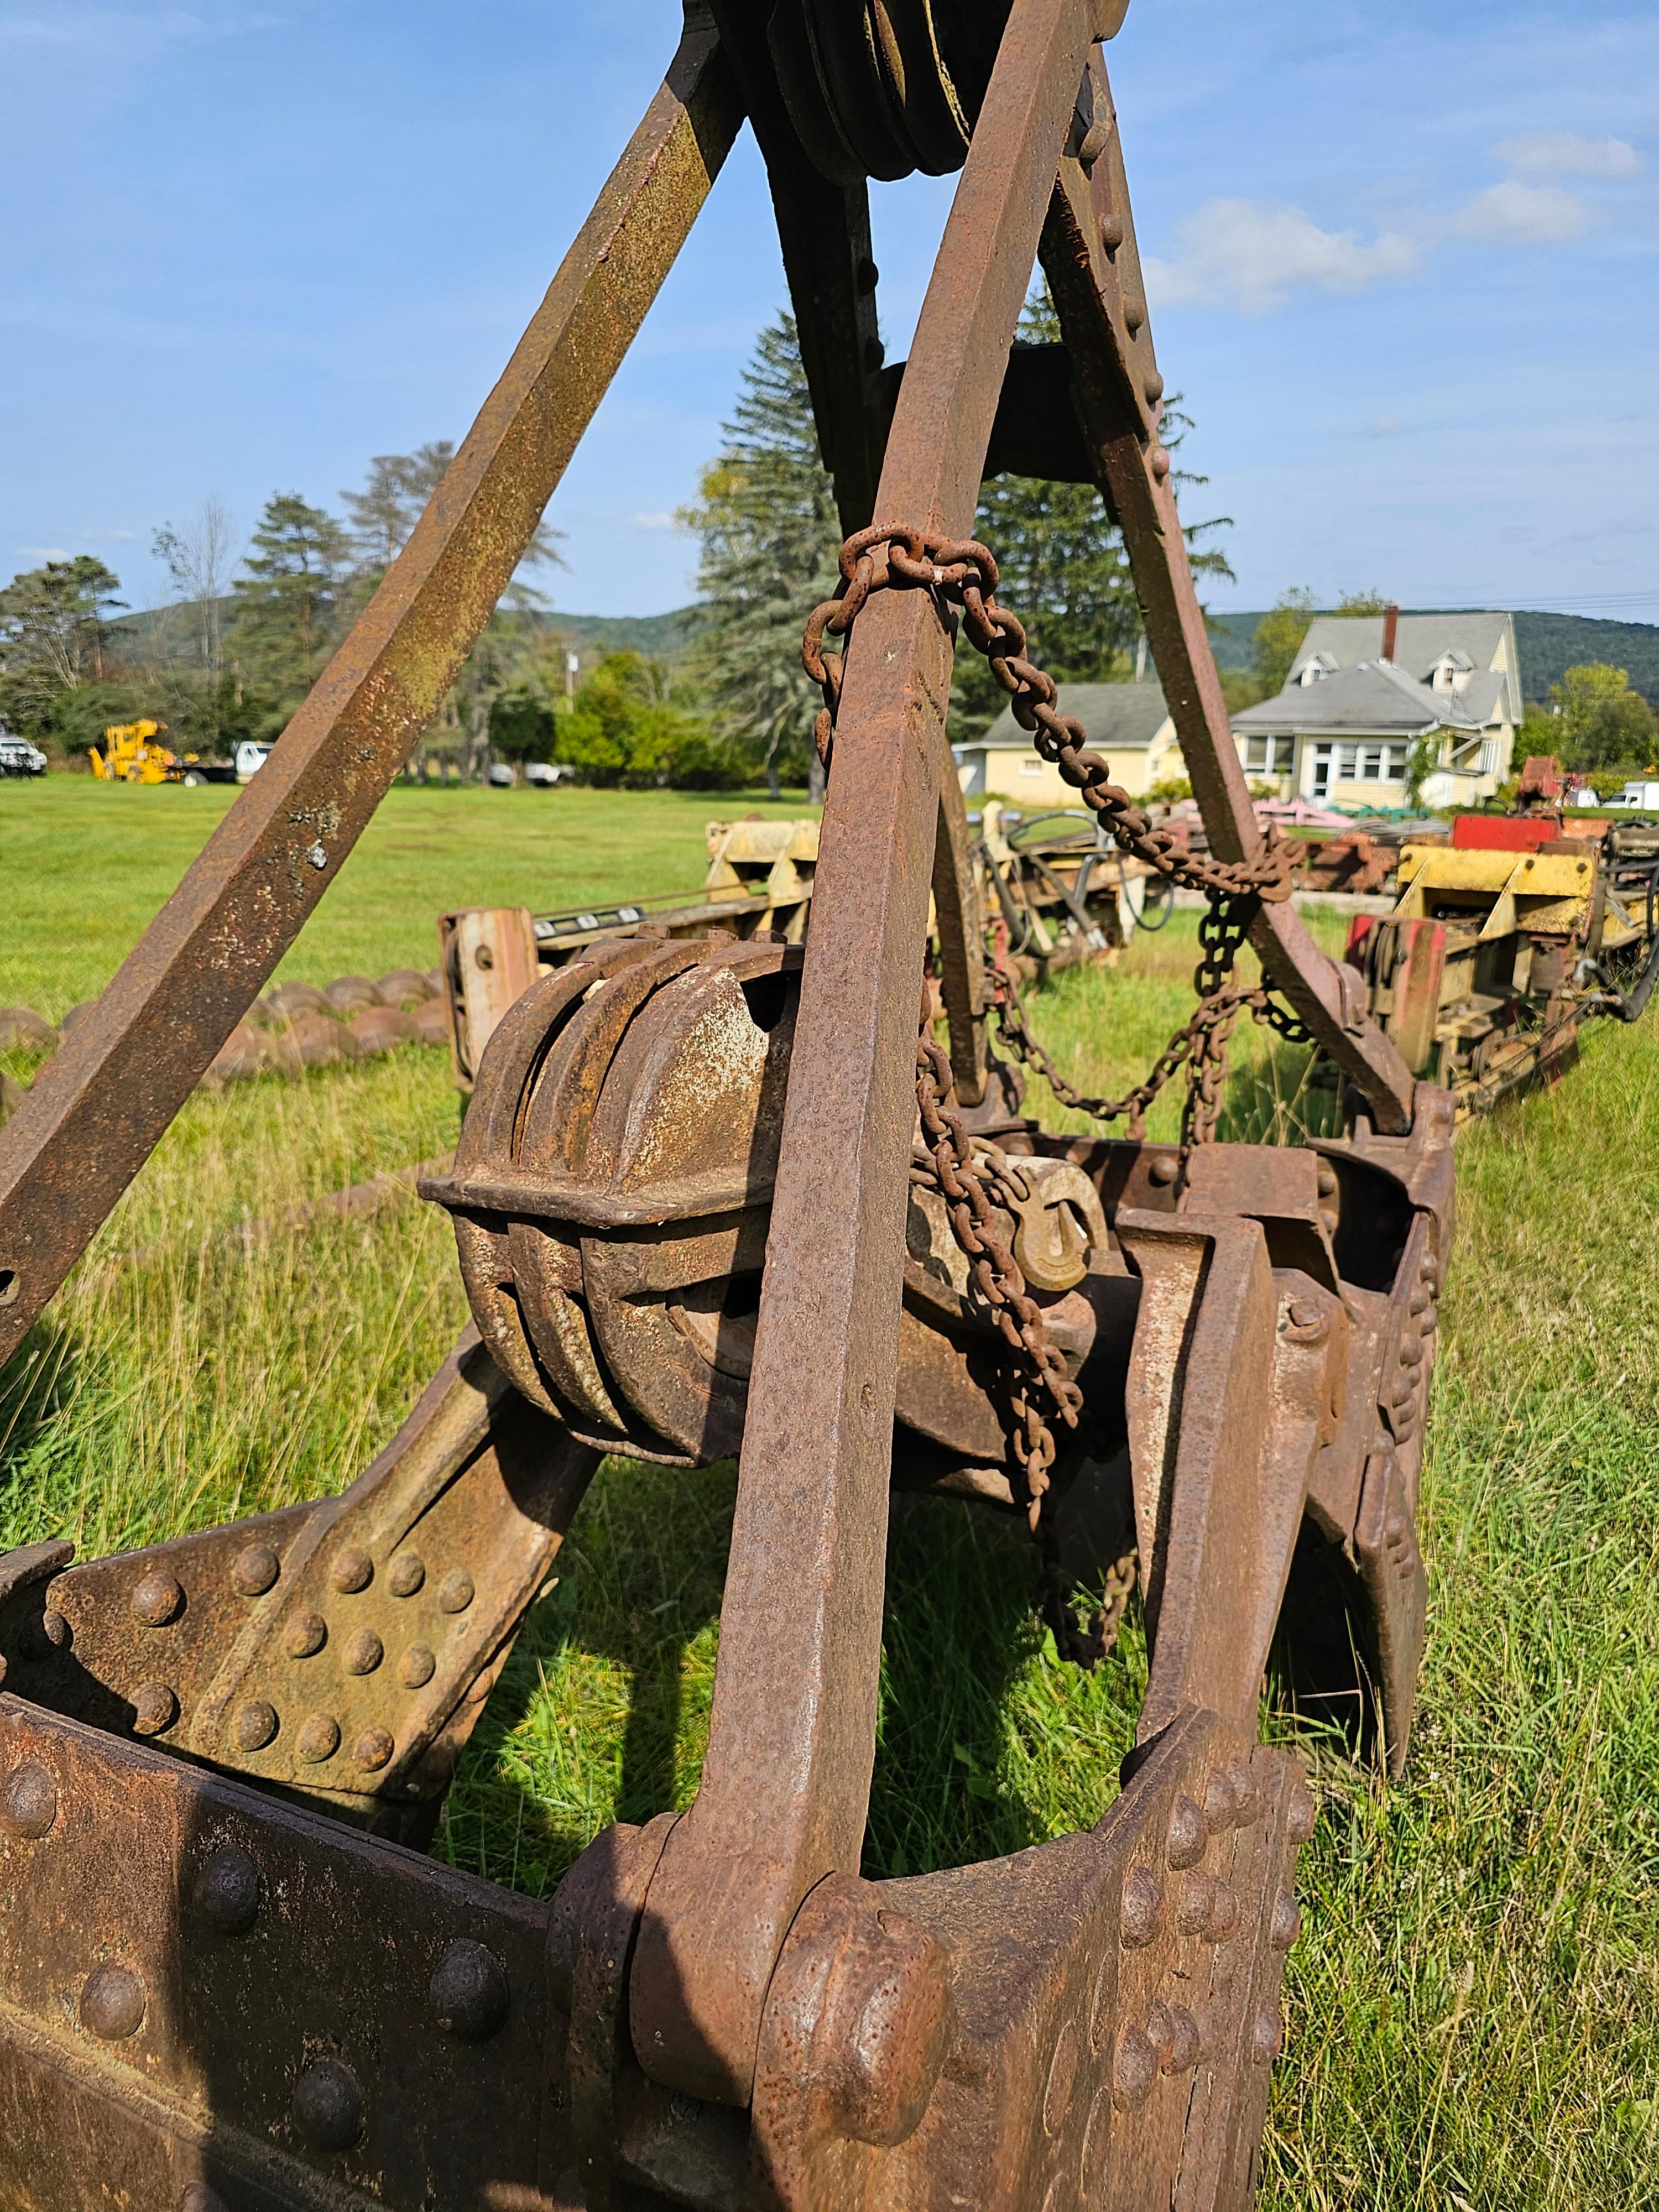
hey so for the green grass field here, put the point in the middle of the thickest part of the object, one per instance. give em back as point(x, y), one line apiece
point(1474, 2006)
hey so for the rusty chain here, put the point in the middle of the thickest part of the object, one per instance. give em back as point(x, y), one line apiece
point(1039, 1368)
point(964, 574)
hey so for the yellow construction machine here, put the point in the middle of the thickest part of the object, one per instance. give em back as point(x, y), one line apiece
point(132, 755)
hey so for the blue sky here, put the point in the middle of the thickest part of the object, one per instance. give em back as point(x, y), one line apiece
point(1402, 269)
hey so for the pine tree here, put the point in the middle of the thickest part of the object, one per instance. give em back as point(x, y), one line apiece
point(766, 514)
point(287, 600)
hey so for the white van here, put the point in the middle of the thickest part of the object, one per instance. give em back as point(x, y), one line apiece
point(250, 756)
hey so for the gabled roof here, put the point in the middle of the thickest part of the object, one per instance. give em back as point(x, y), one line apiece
point(1418, 644)
point(1375, 699)
point(1118, 715)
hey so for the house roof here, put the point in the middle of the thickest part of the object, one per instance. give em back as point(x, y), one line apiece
point(1120, 716)
point(1375, 699)
point(1421, 640)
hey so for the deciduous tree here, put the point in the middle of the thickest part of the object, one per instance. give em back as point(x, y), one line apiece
point(54, 622)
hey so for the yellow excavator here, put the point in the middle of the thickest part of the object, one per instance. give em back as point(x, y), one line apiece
point(132, 755)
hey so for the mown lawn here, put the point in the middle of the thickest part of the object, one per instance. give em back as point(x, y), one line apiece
point(1474, 2007)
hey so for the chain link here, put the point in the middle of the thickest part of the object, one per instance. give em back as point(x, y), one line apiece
point(964, 574)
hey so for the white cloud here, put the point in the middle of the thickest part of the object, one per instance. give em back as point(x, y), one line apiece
point(43, 553)
point(1514, 213)
point(1252, 254)
point(656, 522)
point(1385, 425)
point(1560, 154)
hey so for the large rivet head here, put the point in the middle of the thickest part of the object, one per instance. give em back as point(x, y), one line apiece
point(1287, 1923)
point(328, 2105)
point(1220, 1801)
point(1244, 1783)
point(256, 1724)
point(1163, 1167)
point(28, 1802)
point(305, 1636)
point(1186, 2043)
point(227, 1891)
point(1326, 1180)
point(1134, 2067)
point(1111, 232)
point(418, 1667)
point(319, 1738)
point(373, 1748)
point(256, 1570)
point(455, 1591)
point(406, 1574)
point(157, 1599)
point(1266, 2035)
point(1299, 1815)
point(364, 1653)
point(1143, 1908)
point(353, 1570)
point(1153, 387)
point(1224, 1913)
point(1159, 456)
point(46, 1634)
point(1190, 1837)
point(112, 2003)
point(154, 1709)
point(469, 1993)
point(1196, 1902)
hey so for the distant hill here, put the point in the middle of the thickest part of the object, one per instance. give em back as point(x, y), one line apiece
point(169, 633)
point(1548, 646)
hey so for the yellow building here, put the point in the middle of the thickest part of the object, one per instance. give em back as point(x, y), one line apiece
point(1127, 724)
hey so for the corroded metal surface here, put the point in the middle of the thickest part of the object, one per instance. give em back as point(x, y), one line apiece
point(693, 1218)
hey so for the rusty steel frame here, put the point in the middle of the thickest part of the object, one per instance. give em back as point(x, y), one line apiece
point(715, 2009)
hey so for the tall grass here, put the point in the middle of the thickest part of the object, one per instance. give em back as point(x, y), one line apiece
point(1474, 2005)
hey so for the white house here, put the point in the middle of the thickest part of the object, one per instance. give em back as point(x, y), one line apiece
point(1365, 688)
point(1129, 724)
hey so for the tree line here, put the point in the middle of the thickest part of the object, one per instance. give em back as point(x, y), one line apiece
point(244, 637)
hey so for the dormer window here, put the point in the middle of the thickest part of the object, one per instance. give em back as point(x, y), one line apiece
point(1321, 665)
point(1449, 673)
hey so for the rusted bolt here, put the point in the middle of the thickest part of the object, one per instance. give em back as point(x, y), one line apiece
point(1303, 1313)
point(1163, 1167)
point(1299, 1815)
point(1134, 2067)
point(1186, 2043)
point(1244, 1783)
point(256, 1570)
point(1224, 1913)
point(364, 1653)
point(1159, 456)
point(307, 1634)
point(373, 1748)
point(113, 2001)
point(353, 1570)
point(1196, 1903)
point(256, 1724)
point(484, 957)
point(1220, 1801)
point(1287, 1923)
point(1111, 232)
point(1153, 387)
point(1190, 1837)
point(1143, 1908)
point(328, 2105)
point(46, 1634)
point(1134, 314)
point(406, 1574)
point(319, 1738)
point(157, 1599)
point(155, 1708)
point(28, 1802)
point(1418, 1302)
point(1266, 2035)
point(227, 1891)
point(455, 1591)
point(418, 1667)
point(1326, 1180)
point(469, 1993)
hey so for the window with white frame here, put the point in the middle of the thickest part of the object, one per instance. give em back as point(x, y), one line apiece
point(1371, 762)
point(1269, 755)
point(1032, 767)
